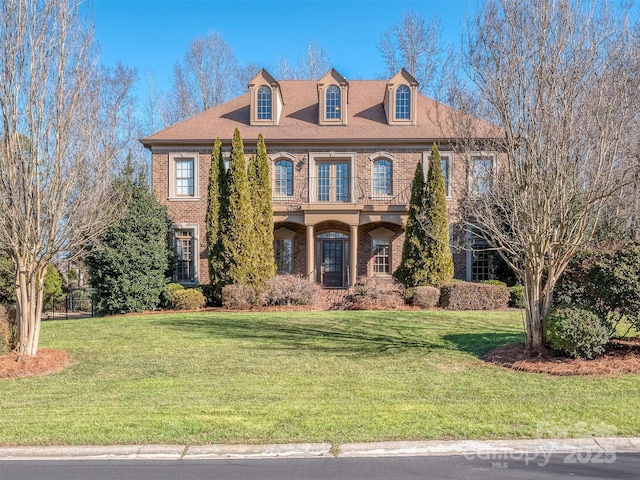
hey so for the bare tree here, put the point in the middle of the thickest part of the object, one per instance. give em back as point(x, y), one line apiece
point(312, 64)
point(59, 137)
point(205, 77)
point(413, 45)
point(559, 78)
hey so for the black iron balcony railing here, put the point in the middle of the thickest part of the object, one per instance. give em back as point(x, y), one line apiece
point(340, 190)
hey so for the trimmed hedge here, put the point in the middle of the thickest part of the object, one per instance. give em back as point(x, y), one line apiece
point(188, 299)
point(425, 297)
point(474, 296)
point(576, 331)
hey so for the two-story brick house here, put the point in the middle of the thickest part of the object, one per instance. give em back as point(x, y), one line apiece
point(343, 154)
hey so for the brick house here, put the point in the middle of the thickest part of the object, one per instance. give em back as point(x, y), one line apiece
point(343, 154)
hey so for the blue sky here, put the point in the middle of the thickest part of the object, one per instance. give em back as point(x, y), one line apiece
point(154, 34)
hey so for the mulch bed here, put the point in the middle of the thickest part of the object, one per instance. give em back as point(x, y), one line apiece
point(620, 357)
point(46, 361)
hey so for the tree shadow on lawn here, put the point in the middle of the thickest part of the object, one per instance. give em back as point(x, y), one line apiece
point(354, 338)
point(479, 344)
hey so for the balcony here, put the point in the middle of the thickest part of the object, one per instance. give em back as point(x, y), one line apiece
point(343, 190)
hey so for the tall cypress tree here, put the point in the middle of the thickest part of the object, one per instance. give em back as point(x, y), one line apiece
point(438, 259)
point(409, 271)
point(217, 175)
point(260, 187)
point(426, 258)
point(236, 219)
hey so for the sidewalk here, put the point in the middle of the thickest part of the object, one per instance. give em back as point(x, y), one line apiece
point(468, 448)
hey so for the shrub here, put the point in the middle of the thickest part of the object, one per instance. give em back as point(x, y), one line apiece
point(6, 331)
point(288, 290)
point(516, 296)
point(168, 294)
point(576, 331)
point(605, 280)
point(494, 282)
point(473, 296)
point(375, 293)
point(425, 297)
point(188, 299)
point(238, 297)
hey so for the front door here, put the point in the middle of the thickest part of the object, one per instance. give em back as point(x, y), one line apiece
point(332, 263)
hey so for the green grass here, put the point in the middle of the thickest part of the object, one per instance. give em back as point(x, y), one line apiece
point(297, 377)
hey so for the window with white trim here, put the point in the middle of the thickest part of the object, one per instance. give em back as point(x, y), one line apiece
point(403, 103)
point(381, 248)
point(283, 248)
point(283, 181)
point(481, 170)
point(264, 103)
point(381, 177)
point(183, 176)
point(445, 166)
point(333, 103)
point(185, 249)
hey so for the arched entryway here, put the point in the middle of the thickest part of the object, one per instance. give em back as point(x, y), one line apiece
point(332, 259)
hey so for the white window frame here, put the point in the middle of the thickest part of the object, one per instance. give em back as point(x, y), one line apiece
point(472, 177)
point(286, 235)
point(381, 235)
point(195, 229)
point(174, 157)
point(448, 190)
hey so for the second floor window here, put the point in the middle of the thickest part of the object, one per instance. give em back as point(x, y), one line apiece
point(264, 103)
point(382, 177)
point(283, 178)
point(333, 103)
point(403, 103)
point(481, 175)
point(444, 166)
point(184, 177)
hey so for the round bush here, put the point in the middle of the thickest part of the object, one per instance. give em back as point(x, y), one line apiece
point(188, 299)
point(577, 332)
point(238, 297)
point(425, 297)
point(168, 294)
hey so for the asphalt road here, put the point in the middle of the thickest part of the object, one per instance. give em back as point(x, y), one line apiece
point(591, 466)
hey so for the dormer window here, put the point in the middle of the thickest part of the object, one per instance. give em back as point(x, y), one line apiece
point(333, 103)
point(401, 99)
point(266, 100)
point(403, 103)
point(333, 99)
point(264, 103)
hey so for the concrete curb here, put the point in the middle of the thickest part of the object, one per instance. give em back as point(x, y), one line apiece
point(468, 448)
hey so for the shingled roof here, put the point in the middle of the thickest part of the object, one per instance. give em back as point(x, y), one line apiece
point(367, 121)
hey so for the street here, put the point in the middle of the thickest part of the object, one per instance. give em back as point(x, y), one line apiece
point(479, 467)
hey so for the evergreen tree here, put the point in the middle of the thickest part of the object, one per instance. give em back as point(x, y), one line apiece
point(260, 187)
point(128, 266)
point(434, 220)
point(217, 179)
point(426, 257)
point(236, 220)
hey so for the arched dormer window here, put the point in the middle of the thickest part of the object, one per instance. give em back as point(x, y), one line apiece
point(403, 103)
point(333, 102)
point(264, 103)
point(382, 177)
point(283, 184)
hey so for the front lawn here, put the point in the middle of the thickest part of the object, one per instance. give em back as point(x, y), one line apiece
point(301, 377)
